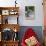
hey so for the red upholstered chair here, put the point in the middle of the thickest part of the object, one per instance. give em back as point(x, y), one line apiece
point(29, 33)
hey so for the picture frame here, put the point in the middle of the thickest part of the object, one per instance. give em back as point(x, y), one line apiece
point(30, 12)
point(5, 12)
point(13, 12)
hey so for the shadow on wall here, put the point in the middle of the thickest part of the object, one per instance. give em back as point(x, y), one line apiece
point(37, 29)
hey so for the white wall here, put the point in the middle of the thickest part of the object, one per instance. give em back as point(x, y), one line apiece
point(7, 3)
point(38, 21)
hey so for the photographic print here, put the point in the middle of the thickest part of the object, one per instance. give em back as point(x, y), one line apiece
point(29, 12)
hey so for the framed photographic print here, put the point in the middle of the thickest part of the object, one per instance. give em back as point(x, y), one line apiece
point(29, 12)
point(13, 12)
point(5, 12)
